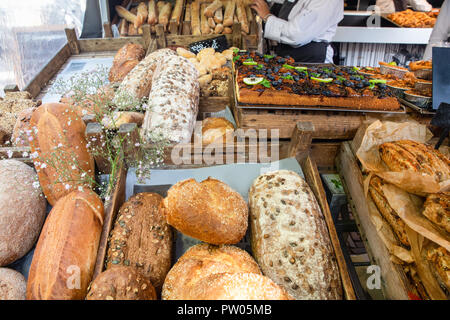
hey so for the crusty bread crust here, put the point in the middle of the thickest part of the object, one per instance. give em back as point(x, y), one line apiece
point(121, 283)
point(203, 260)
point(209, 211)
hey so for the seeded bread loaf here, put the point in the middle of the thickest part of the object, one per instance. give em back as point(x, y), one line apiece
point(142, 238)
point(12, 285)
point(290, 239)
point(121, 283)
point(209, 211)
point(201, 261)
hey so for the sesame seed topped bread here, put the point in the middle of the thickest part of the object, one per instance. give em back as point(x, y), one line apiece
point(13, 285)
point(209, 211)
point(203, 260)
point(121, 283)
point(238, 286)
point(141, 238)
point(290, 239)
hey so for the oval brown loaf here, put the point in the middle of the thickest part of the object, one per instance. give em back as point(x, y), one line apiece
point(64, 258)
point(216, 130)
point(59, 138)
point(121, 283)
point(142, 238)
point(125, 60)
point(237, 286)
point(209, 211)
point(289, 237)
point(22, 210)
point(12, 285)
point(203, 260)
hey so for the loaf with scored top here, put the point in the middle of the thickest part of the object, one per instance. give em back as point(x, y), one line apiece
point(289, 237)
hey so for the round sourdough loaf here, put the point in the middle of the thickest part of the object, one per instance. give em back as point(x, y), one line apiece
point(121, 283)
point(216, 130)
point(237, 286)
point(142, 238)
point(13, 285)
point(203, 260)
point(22, 210)
point(209, 211)
point(65, 255)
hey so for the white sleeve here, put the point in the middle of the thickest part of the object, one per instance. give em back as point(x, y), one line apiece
point(306, 25)
point(441, 30)
point(420, 5)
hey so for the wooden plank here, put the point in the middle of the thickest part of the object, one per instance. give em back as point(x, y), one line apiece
point(72, 40)
point(107, 44)
point(301, 139)
point(52, 67)
point(236, 36)
point(324, 155)
point(146, 35)
point(96, 139)
point(112, 206)
point(107, 30)
point(11, 88)
point(395, 283)
point(313, 178)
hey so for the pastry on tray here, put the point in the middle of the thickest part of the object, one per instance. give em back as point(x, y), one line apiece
point(273, 80)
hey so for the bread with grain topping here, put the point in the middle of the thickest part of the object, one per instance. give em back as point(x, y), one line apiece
point(60, 146)
point(12, 285)
point(121, 283)
point(141, 238)
point(238, 286)
point(201, 261)
point(289, 237)
point(64, 258)
point(125, 60)
point(210, 211)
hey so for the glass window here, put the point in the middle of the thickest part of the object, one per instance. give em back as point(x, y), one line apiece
point(31, 33)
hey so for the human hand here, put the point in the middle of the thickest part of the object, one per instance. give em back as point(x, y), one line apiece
point(261, 7)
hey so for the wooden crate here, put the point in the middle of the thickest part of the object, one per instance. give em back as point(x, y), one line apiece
point(395, 283)
point(299, 147)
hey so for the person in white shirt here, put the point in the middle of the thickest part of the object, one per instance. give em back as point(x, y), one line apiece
point(302, 28)
point(441, 30)
point(389, 6)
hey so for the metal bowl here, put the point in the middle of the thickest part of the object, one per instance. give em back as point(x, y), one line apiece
point(422, 86)
point(398, 91)
point(399, 73)
point(420, 101)
point(426, 74)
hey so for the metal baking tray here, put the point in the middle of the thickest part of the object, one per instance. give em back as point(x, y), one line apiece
point(416, 108)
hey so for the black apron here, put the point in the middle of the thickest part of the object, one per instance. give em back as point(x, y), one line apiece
point(313, 52)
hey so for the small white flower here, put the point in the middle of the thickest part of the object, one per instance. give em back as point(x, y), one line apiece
point(10, 154)
point(60, 145)
point(80, 189)
point(25, 154)
point(74, 167)
point(34, 155)
point(137, 144)
point(30, 138)
point(83, 174)
point(84, 112)
point(69, 123)
point(67, 186)
point(36, 185)
point(107, 198)
point(43, 166)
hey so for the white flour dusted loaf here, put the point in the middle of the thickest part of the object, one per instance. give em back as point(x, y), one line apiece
point(290, 239)
point(138, 81)
point(173, 100)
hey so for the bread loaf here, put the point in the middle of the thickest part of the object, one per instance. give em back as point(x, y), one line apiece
point(142, 14)
point(237, 286)
point(121, 283)
point(437, 210)
point(201, 261)
point(229, 13)
point(59, 146)
point(195, 18)
point(408, 155)
point(209, 211)
point(127, 15)
point(174, 97)
point(289, 237)
point(22, 210)
point(242, 16)
point(141, 238)
point(439, 259)
point(164, 14)
point(64, 258)
point(138, 81)
point(212, 8)
point(125, 60)
point(216, 130)
point(152, 15)
point(12, 285)
point(397, 224)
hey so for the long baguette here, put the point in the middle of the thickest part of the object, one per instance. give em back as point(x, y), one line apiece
point(218, 16)
point(249, 14)
point(227, 30)
point(218, 29)
point(142, 14)
point(195, 18)
point(177, 10)
point(209, 10)
point(152, 16)
point(164, 15)
point(211, 23)
point(242, 17)
point(159, 6)
point(229, 13)
point(127, 15)
point(205, 29)
point(187, 13)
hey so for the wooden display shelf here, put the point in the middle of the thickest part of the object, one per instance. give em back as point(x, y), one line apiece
point(299, 148)
point(395, 283)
